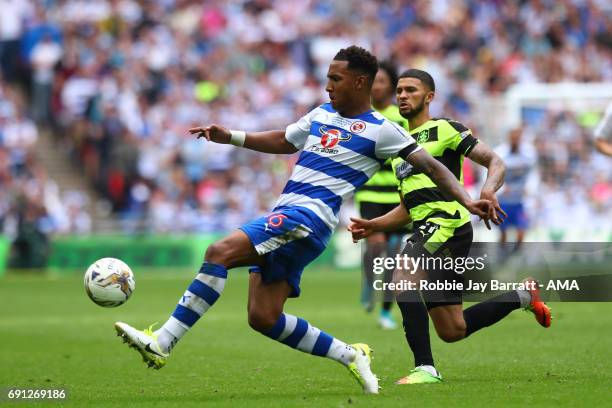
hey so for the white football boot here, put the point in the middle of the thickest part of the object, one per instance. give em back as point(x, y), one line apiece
point(360, 368)
point(145, 341)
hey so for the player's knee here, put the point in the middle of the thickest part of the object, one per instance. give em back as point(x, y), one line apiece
point(262, 320)
point(397, 277)
point(452, 333)
point(402, 295)
point(219, 253)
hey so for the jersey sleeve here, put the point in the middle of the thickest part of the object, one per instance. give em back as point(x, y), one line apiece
point(462, 141)
point(392, 140)
point(297, 133)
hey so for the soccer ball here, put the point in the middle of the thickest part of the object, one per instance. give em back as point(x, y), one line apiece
point(109, 282)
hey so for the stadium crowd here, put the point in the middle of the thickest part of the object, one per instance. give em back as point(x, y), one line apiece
point(119, 82)
point(31, 204)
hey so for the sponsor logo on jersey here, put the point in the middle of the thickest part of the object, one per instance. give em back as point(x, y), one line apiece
point(331, 137)
point(465, 134)
point(403, 170)
point(358, 127)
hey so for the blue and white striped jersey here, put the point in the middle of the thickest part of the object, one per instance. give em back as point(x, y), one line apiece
point(339, 154)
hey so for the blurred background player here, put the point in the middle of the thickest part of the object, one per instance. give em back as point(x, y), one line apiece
point(603, 133)
point(442, 229)
point(519, 159)
point(379, 196)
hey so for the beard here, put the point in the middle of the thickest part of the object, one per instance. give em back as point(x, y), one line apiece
point(412, 113)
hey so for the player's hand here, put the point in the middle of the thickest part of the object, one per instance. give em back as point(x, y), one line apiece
point(212, 133)
point(360, 228)
point(481, 208)
point(497, 214)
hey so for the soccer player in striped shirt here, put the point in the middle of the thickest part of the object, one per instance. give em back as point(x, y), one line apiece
point(342, 144)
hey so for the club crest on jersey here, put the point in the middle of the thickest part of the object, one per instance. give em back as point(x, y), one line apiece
point(358, 127)
point(423, 136)
point(274, 221)
point(331, 137)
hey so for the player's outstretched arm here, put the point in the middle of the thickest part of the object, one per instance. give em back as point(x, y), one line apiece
point(486, 157)
point(271, 141)
point(393, 220)
point(449, 185)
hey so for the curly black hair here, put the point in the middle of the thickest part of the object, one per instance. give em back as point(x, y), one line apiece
point(391, 70)
point(359, 59)
point(423, 76)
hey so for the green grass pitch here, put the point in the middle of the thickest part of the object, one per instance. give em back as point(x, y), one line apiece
point(52, 335)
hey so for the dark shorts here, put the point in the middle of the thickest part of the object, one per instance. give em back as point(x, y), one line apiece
point(435, 244)
point(370, 210)
point(517, 217)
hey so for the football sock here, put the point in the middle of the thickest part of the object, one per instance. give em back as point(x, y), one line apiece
point(430, 369)
point(490, 311)
point(525, 297)
point(299, 334)
point(201, 294)
point(386, 306)
point(415, 320)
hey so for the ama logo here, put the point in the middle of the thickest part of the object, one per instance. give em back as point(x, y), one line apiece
point(331, 137)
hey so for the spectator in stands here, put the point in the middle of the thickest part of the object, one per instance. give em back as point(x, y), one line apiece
point(133, 76)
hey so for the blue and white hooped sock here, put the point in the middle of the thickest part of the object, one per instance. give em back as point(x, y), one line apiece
point(201, 294)
point(299, 334)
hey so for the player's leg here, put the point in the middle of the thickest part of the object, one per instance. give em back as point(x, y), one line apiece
point(428, 240)
point(452, 323)
point(232, 251)
point(265, 311)
point(415, 318)
point(445, 306)
point(375, 247)
point(265, 302)
point(505, 226)
point(449, 322)
point(516, 221)
point(520, 237)
point(492, 310)
point(503, 237)
point(385, 319)
point(415, 321)
point(521, 226)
